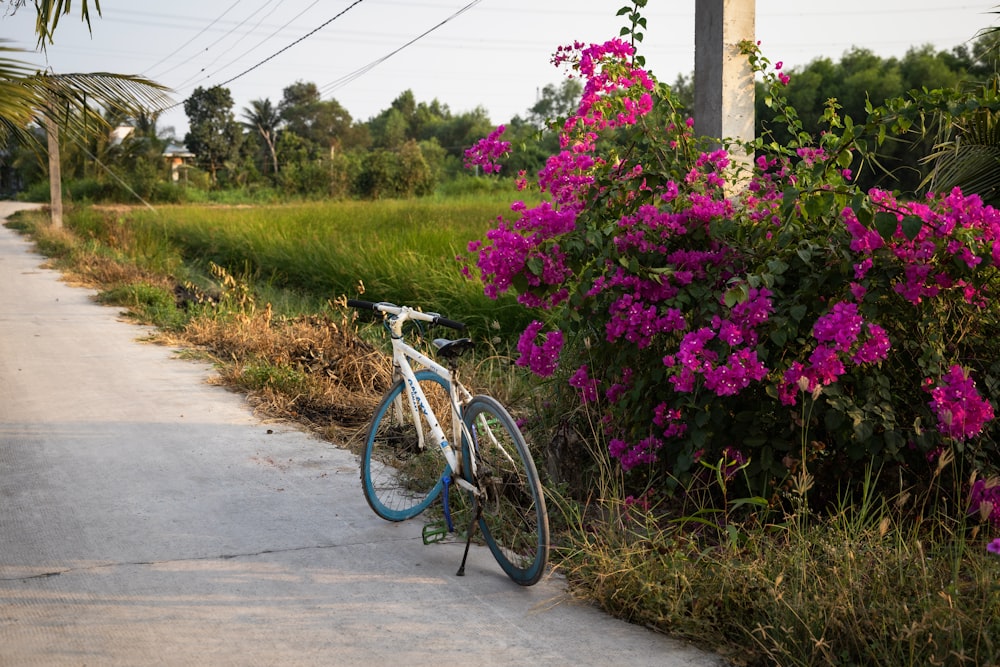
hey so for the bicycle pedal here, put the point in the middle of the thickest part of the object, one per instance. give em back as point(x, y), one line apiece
point(434, 532)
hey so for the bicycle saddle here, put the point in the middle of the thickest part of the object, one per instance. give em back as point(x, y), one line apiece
point(452, 348)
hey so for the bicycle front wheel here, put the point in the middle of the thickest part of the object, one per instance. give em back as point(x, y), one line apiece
point(401, 472)
point(513, 519)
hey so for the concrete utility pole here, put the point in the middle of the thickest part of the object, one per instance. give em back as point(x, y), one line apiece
point(723, 80)
point(55, 175)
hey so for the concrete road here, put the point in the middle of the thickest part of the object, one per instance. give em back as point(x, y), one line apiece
point(148, 518)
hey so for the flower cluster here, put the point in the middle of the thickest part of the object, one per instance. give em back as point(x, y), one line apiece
point(541, 359)
point(486, 153)
point(584, 384)
point(961, 412)
point(616, 93)
point(724, 374)
point(957, 231)
point(669, 424)
point(843, 336)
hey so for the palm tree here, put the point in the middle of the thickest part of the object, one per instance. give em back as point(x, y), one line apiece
point(263, 117)
point(74, 101)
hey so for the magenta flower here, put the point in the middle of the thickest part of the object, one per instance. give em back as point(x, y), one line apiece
point(541, 359)
point(984, 499)
point(962, 413)
point(994, 546)
point(486, 153)
point(585, 385)
point(630, 456)
point(841, 326)
point(732, 460)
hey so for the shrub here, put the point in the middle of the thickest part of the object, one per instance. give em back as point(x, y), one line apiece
point(701, 303)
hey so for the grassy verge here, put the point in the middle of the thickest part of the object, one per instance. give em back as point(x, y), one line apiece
point(876, 581)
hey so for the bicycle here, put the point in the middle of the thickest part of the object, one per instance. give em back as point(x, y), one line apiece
point(402, 469)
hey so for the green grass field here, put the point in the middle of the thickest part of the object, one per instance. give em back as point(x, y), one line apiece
point(401, 251)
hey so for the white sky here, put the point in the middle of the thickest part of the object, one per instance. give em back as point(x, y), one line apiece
point(496, 54)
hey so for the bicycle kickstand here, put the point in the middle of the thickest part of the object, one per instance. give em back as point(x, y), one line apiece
point(468, 537)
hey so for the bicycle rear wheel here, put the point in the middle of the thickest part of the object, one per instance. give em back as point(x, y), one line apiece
point(399, 477)
point(513, 519)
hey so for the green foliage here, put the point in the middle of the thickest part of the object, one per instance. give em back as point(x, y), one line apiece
point(149, 303)
point(214, 135)
point(396, 173)
point(862, 80)
point(284, 379)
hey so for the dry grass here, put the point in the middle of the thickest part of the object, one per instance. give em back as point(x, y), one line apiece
point(309, 369)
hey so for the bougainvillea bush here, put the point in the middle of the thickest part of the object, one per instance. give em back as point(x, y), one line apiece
point(698, 301)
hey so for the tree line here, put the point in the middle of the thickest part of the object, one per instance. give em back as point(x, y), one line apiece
point(308, 147)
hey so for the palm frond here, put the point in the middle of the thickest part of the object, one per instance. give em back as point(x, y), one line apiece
point(968, 157)
point(26, 94)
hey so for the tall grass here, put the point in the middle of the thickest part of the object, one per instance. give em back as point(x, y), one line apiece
point(400, 251)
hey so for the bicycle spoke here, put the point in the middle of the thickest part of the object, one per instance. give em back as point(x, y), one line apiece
point(513, 520)
point(401, 468)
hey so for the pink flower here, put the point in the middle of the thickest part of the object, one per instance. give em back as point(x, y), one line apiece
point(994, 546)
point(487, 152)
point(961, 411)
point(841, 326)
point(541, 359)
point(586, 385)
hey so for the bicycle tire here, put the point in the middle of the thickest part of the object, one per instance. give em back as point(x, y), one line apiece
point(513, 519)
point(399, 479)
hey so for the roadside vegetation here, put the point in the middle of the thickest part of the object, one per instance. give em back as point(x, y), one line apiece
point(902, 578)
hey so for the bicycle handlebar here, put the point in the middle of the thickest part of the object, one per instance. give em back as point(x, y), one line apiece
point(409, 313)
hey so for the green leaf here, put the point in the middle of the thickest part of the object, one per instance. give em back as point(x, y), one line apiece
point(777, 266)
point(912, 225)
point(886, 224)
point(788, 199)
point(736, 295)
point(864, 216)
point(797, 312)
point(845, 159)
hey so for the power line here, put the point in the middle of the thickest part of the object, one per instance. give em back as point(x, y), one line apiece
point(300, 39)
point(348, 78)
point(181, 47)
point(244, 36)
point(282, 50)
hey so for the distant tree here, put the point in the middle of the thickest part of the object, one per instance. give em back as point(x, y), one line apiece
point(394, 173)
point(555, 101)
point(263, 119)
point(325, 125)
point(396, 124)
point(214, 136)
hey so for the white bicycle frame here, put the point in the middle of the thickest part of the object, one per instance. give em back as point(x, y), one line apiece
point(402, 355)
